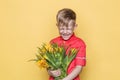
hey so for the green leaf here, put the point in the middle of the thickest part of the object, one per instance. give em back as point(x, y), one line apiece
point(33, 60)
point(50, 59)
point(39, 57)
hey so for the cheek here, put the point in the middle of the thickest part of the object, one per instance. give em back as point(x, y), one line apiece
point(70, 31)
point(61, 31)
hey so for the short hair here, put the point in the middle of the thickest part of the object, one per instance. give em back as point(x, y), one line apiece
point(65, 15)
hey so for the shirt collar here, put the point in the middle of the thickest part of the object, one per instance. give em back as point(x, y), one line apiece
point(71, 38)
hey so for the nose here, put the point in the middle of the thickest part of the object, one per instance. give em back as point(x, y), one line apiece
point(65, 31)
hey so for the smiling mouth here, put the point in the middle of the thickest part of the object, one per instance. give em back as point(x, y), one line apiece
point(66, 35)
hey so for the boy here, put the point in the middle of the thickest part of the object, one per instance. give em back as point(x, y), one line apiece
point(66, 23)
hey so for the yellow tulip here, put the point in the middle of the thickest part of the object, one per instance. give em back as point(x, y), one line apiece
point(42, 63)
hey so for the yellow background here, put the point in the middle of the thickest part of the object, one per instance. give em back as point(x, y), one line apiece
point(25, 24)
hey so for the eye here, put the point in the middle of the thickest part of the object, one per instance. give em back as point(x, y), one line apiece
point(61, 29)
point(69, 28)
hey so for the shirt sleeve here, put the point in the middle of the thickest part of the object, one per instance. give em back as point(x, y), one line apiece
point(80, 58)
point(51, 78)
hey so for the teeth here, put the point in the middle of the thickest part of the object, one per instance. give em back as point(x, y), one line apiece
point(65, 35)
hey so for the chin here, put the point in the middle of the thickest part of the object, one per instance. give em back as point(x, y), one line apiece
point(66, 38)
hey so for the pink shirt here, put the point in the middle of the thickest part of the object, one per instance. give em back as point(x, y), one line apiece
point(73, 42)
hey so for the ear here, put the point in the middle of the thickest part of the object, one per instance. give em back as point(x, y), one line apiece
point(57, 24)
point(75, 25)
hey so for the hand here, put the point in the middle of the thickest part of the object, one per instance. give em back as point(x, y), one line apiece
point(54, 73)
point(65, 79)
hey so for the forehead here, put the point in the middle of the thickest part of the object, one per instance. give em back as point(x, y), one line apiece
point(66, 27)
point(67, 23)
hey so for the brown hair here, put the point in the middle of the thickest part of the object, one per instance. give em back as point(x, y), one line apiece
point(65, 15)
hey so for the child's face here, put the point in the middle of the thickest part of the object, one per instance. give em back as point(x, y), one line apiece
point(66, 31)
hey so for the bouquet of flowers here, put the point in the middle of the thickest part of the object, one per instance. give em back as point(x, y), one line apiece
point(54, 57)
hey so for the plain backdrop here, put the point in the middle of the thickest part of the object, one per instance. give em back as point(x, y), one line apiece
point(26, 24)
